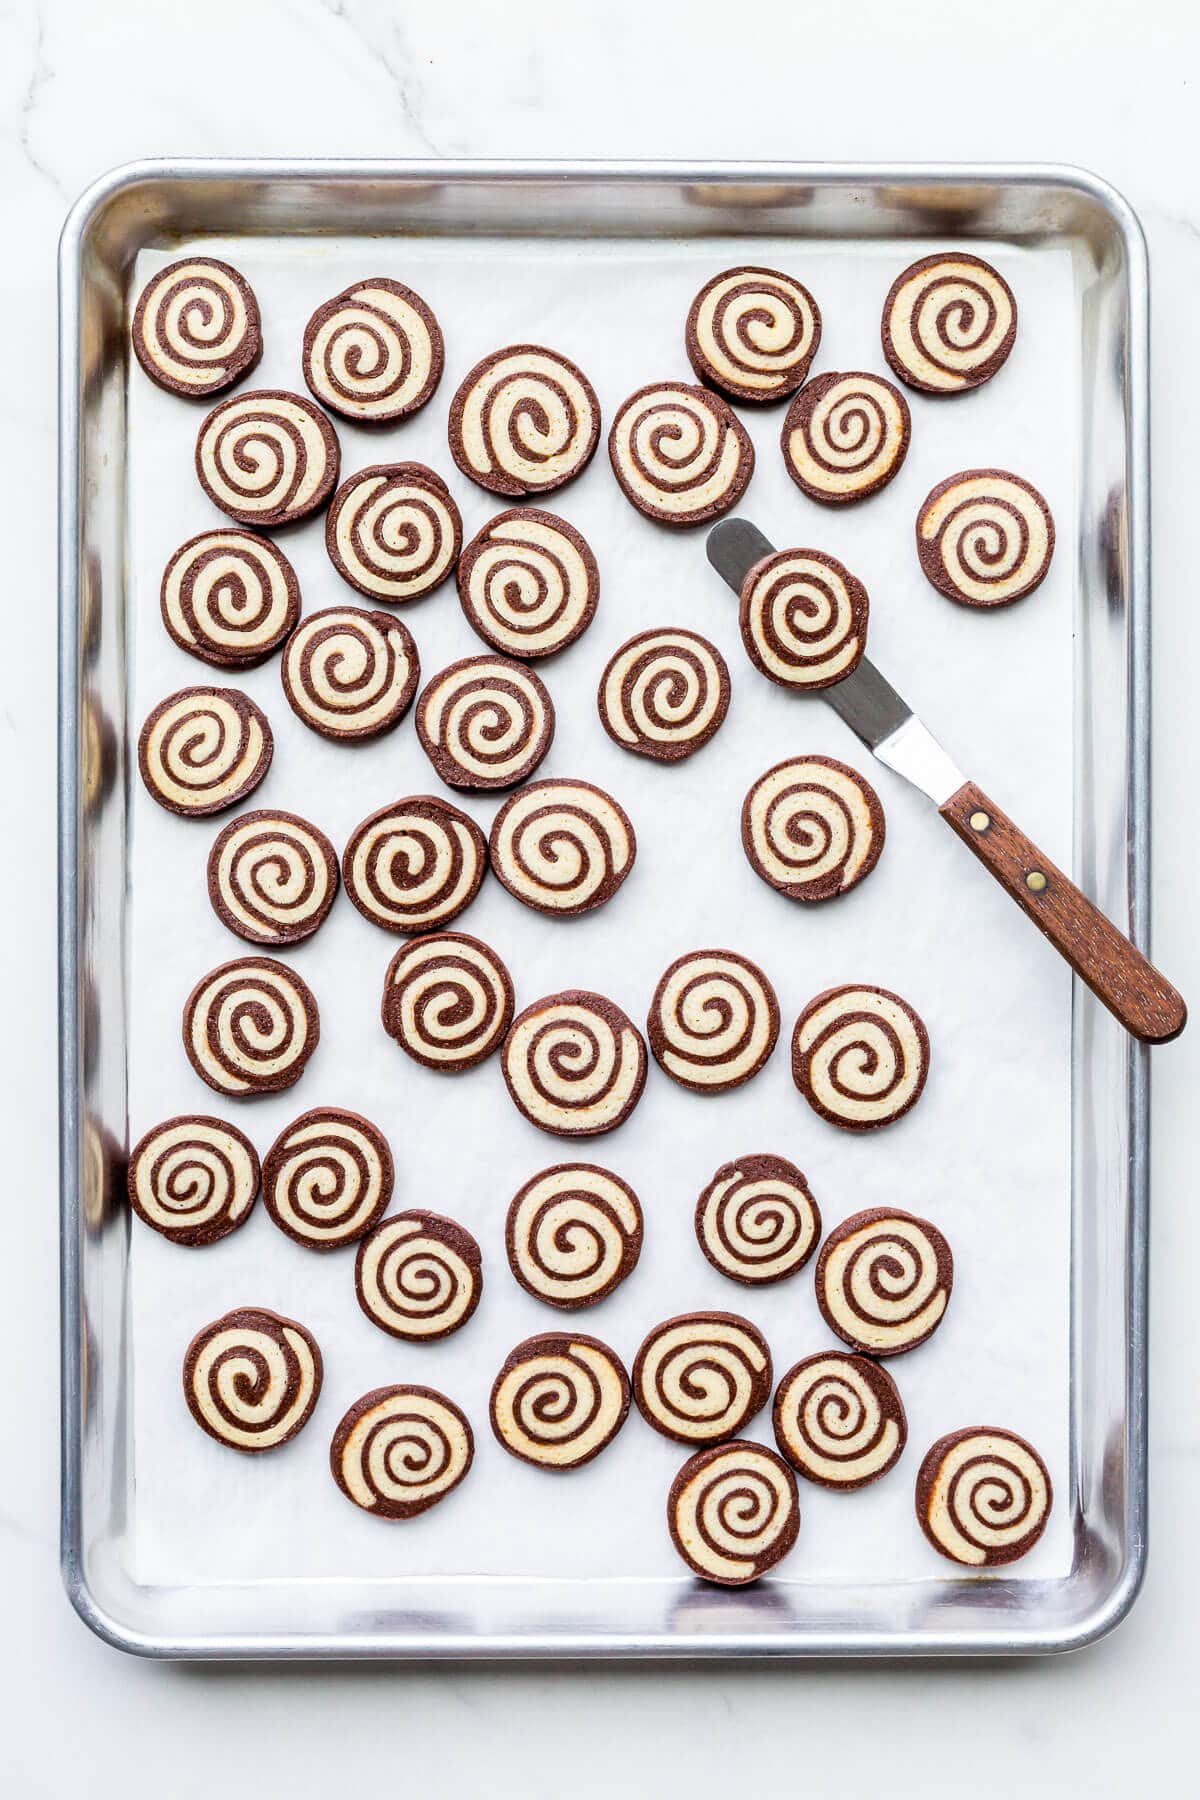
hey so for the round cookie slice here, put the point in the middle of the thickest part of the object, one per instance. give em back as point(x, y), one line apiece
point(562, 846)
point(860, 1057)
point(524, 420)
point(327, 1178)
point(983, 1496)
point(447, 1001)
point(949, 323)
point(267, 458)
point(559, 1400)
point(272, 877)
point(573, 1234)
point(393, 531)
point(528, 583)
point(373, 353)
point(839, 1420)
point(985, 538)
point(845, 437)
point(204, 749)
point(252, 1378)
point(413, 866)
point(884, 1279)
point(485, 722)
point(702, 1376)
point(714, 1021)
point(753, 333)
point(803, 619)
point(399, 1450)
point(194, 1179)
point(350, 674)
point(756, 1221)
point(574, 1064)
point(250, 1026)
point(812, 828)
point(196, 327)
point(680, 454)
point(733, 1512)
point(418, 1276)
point(230, 598)
point(664, 694)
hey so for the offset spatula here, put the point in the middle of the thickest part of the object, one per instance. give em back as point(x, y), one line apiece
point(1117, 973)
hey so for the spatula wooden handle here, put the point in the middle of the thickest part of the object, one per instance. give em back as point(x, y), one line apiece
point(1117, 973)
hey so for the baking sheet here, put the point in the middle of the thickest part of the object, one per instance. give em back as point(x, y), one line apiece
point(986, 1154)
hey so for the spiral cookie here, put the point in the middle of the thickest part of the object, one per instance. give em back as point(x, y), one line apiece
point(949, 323)
point(203, 749)
point(485, 722)
point(418, 1276)
point(250, 1027)
point(839, 1420)
point(664, 694)
point(860, 1057)
point(985, 538)
point(393, 531)
point(804, 619)
point(399, 1450)
point(193, 1178)
point(524, 421)
point(267, 458)
point(714, 1021)
point(983, 1496)
point(812, 828)
point(327, 1179)
point(559, 1400)
point(702, 1376)
point(414, 866)
point(349, 673)
point(196, 327)
point(753, 333)
point(680, 453)
point(884, 1280)
point(230, 598)
point(374, 352)
point(574, 1064)
point(447, 1001)
point(756, 1221)
point(252, 1378)
point(562, 847)
point(733, 1512)
point(845, 437)
point(272, 877)
point(528, 583)
point(573, 1234)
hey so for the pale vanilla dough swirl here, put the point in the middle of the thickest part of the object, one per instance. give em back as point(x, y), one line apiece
point(987, 1496)
point(664, 694)
point(229, 597)
point(350, 673)
point(196, 326)
point(845, 436)
point(884, 1281)
point(399, 1450)
point(267, 457)
point(573, 1233)
point(485, 722)
point(734, 1512)
point(804, 619)
point(194, 1179)
point(203, 749)
point(562, 846)
point(680, 453)
point(701, 1377)
point(839, 1421)
point(753, 333)
point(419, 1276)
point(948, 323)
point(574, 1064)
point(528, 583)
point(812, 828)
point(393, 531)
point(447, 1001)
point(713, 1021)
point(985, 538)
point(861, 1056)
point(252, 1379)
point(327, 1178)
point(374, 353)
point(524, 421)
point(558, 1401)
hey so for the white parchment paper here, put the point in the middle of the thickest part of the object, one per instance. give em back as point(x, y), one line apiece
point(986, 1152)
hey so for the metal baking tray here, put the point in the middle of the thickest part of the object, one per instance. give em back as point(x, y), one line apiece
point(576, 208)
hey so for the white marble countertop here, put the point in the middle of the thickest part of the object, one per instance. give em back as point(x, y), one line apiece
point(1109, 84)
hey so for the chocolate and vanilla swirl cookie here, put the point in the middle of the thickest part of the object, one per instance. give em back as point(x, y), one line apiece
point(804, 619)
point(267, 458)
point(374, 352)
point(230, 598)
point(845, 437)
point(327, 1178)
point(702, 1376)
point(204, 749)
point(757, 1221)
point(680, 453)
point(839, 1420)
point(193, 1178)
point(349, 673)
point(884, 1280)
point(196, 327)
point(714, 1021)
point(413, 866)
point(983, 1496)
point(252, 1378)
point(418, 1276)
point(985, 538)
point(393, 531)
point(574, 1064)
point(447, 1001)
point(559, 1400)
point(860, 1056)
point(524, 421)
point(250, 1027)
point(733, 1512)
point(562, 847)
point(485, 722)
point(272, 877)
point(753, 333)
point(949, 323)
point(399, 1450)
point(528, 583)
point(573, 1234)
point(664, 694)
point(812, 828)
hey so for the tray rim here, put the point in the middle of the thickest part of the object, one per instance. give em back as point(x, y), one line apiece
point(1112, 1606)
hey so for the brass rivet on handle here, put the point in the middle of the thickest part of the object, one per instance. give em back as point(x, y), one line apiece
point(1035, 881)
point(979, 821)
